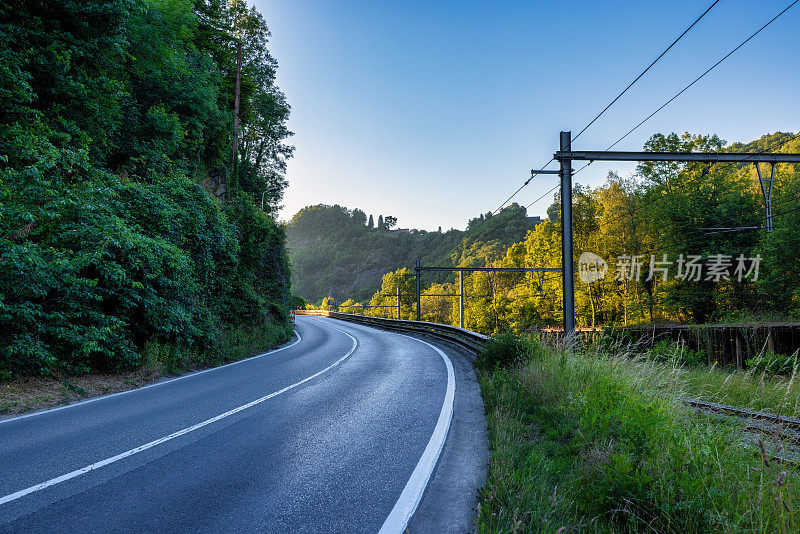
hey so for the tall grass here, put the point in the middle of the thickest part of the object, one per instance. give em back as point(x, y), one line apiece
point(235, 344)
point(595, 443)
point(758, 388)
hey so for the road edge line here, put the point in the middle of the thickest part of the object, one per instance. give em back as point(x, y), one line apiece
point(102, 463)
point(412, 493)
point(148, 386)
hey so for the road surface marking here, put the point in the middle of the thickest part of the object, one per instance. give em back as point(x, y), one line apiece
point(406, 505)
point(94, 399)
point(78, 472)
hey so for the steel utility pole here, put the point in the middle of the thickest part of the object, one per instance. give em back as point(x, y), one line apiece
point(419, 268)
point(419, 308)
point(461, 298)
point(566, 235)
point(398, 300)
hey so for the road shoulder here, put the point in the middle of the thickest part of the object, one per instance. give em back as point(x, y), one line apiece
point(450, 501)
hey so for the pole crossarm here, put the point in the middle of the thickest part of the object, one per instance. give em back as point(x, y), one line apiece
point(492, 269)
point(703, 157)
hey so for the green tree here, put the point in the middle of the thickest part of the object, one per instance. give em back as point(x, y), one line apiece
point(329, 304)
point(384, 301)
point(113, 114)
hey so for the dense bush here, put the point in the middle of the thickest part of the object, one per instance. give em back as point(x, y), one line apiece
point(111, 116)
point(106, 269)
point(667, 350)
point(503, 350)
point(773, 364)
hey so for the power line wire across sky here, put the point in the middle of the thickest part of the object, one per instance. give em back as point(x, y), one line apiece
point(687, 87)
point(672, 44)
point(692, 83)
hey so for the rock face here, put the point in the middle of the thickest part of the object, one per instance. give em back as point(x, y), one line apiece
point(216, 186)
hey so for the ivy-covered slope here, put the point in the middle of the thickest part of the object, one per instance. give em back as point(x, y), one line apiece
point(112, 114)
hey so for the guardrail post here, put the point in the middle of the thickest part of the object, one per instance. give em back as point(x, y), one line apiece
point(419, 308)
point(461, 297)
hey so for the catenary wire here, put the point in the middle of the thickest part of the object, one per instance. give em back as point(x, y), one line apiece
point(672, 44)
point(686, 88)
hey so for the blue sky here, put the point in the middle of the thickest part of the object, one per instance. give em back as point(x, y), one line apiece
point(435, 112)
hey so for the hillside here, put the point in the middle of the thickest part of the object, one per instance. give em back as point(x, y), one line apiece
point(125, 239)
point(664, 216)
point(334, 252)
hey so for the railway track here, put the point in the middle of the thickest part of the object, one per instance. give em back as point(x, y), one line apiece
point(775, 436)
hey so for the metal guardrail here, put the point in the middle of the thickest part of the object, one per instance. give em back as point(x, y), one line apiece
point(466, 339)
point(787, 428)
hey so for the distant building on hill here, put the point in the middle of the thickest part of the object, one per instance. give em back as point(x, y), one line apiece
point(534, 220)
point(403, 230)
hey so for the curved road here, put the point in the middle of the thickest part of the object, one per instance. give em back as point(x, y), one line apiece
point(337, 431)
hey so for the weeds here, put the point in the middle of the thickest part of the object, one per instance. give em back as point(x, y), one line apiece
point(589, 442)
point(236, 344)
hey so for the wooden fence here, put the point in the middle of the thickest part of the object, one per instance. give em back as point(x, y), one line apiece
point(721, 343)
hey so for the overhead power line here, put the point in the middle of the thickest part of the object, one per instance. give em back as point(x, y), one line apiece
point(679, 93)
point(526, 182)
point(692, 25)
point(541, 197)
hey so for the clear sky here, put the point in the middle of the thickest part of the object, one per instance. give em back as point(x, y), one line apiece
point(435, 111)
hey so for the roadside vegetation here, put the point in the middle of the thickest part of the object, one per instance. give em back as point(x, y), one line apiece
point(342, 253)
point(158, 361)
point(657, 214)
point(128, 237)
point(770, 382)
point(584, 440)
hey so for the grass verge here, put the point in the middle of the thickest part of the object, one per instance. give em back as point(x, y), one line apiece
point(758, 388)
point(27, 394)
point(582, 442)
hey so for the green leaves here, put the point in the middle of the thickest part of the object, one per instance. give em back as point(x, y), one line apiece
point(105, 244)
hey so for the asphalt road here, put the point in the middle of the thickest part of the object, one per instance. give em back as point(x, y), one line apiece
point(340, 430)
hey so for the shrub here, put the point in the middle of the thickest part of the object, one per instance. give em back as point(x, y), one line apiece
point(503, 350)
point(107, 267)
point(773, 364)
point(667, 350)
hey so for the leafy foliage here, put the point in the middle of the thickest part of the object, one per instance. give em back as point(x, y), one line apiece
point(113, 115)
point(661, 211)
point(504, 350)
point(336, 252)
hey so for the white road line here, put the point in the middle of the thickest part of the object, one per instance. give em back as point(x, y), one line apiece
point(410, 497)
point(406, 505)
point(95, 399)
point(52, 482)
